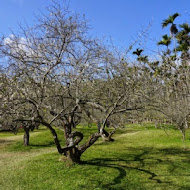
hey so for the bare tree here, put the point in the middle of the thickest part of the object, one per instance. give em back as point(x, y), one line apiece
point(57, 76)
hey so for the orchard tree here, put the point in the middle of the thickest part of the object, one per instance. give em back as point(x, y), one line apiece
point(58, 76)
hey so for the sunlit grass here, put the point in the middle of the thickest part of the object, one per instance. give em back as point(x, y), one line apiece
point(141, 157)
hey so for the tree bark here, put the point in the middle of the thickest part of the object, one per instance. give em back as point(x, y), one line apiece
point(183, 134)
point(74, 155)
point(26, 136)
point(107, 136)
point(93, 138)
point(55, 137)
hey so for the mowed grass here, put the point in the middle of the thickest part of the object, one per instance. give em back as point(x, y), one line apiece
point(141, 157)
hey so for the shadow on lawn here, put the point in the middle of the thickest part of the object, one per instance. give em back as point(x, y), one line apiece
point(141, 159)
point(106, 163)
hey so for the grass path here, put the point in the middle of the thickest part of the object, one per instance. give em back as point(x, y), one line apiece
point(19, 136)
point(8, 159)
point(126, 134)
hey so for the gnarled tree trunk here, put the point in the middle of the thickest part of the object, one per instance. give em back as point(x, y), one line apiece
point(72, 150)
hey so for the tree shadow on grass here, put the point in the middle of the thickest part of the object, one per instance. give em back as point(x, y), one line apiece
point(106, 163)
point(143, 160)
point(122, 169)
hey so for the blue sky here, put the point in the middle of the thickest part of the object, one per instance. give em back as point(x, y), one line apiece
point(119, 19)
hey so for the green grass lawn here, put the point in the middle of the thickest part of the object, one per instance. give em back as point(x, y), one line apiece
point(141, 157)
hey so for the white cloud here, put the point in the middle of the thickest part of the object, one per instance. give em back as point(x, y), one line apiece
point(18, 46)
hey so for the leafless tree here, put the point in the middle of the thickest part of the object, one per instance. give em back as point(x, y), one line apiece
point(58, 76)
